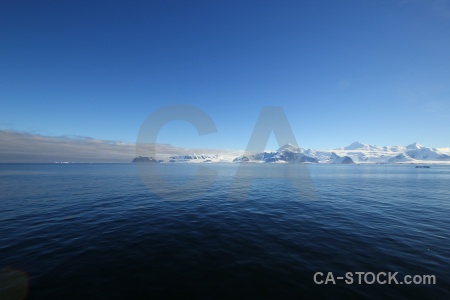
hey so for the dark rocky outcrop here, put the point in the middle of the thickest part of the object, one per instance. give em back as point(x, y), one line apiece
point(144, 159)
point(309, 159)
point(347, 160)
point(243, 158)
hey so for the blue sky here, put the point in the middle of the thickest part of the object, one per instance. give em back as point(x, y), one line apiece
point(371, 71)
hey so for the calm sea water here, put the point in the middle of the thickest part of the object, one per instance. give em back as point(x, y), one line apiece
point(82, 231)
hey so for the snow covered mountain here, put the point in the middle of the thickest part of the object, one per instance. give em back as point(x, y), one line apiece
point(360, 146)
point(199, 158)
point(413, 153)
point(293, 154)
point(355, 153)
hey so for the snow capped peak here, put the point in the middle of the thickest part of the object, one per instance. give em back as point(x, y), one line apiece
point(414, 146)
point(361, 147)
point(356, 145)
point(290, 147)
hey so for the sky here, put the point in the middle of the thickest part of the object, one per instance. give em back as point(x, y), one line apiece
point(377, 72)
point(31, 148)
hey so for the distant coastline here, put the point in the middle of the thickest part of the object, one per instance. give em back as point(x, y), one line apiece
point(355, 153)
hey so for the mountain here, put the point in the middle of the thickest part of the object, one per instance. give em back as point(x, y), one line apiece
point(286, 154)
point(360, 146)
point(399, 158)
point(355, 145)
point(423, 153)
point(355, 153)
point(336, 159)
point(291, 148)
point(197, 158)
point(413, 153)
point(414, 146)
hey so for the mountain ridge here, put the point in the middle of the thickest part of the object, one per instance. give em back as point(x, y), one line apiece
point(355, 153)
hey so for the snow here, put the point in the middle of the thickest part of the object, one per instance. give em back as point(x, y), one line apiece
point(358, 152)
point(356, 145)
point(414, 146)
point(413, 153)
point(290, 147)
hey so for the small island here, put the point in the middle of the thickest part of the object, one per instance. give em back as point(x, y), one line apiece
point(144, 159)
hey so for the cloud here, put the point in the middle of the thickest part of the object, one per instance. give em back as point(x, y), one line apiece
point(22, 147)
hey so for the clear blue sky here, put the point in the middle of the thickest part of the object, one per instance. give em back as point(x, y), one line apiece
point(373, 71)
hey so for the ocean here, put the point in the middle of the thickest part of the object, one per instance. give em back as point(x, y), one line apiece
point(113, 231)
